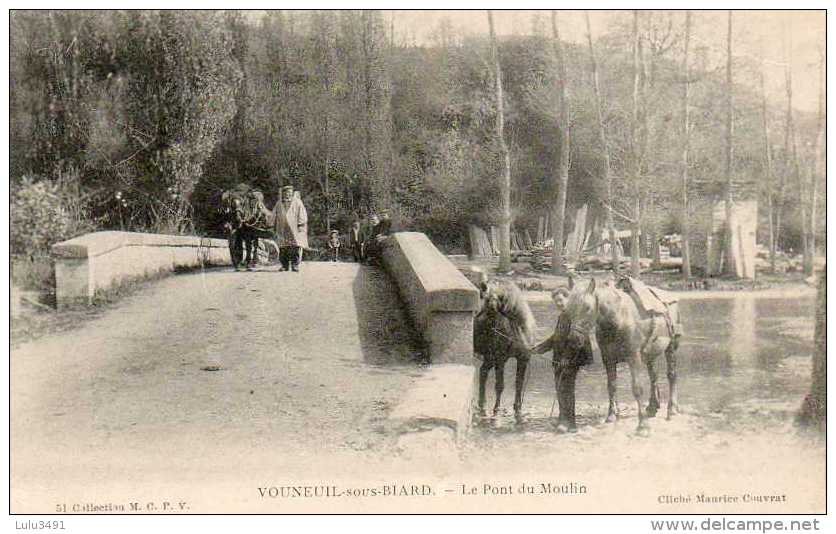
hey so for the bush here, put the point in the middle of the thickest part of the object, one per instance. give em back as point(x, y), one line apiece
point(34, 273)
point(42, 214)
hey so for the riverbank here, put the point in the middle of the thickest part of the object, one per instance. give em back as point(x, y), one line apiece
point(538, 284)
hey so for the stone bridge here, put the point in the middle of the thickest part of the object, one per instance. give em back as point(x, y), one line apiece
point(215, 368)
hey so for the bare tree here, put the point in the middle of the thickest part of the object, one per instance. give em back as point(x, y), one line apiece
point(505, 177)
point(788, 128)
point(686, 249)
point(602, 135)
point(816, 173)
point(730, 252)
point(562, 179)
point(638, 136)
point(792, 166)
point(814, 407)
point(767, 163)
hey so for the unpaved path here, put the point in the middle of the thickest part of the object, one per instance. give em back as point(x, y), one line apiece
point(309, 365)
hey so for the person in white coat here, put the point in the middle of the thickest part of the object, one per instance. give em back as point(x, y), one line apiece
point(290, 223)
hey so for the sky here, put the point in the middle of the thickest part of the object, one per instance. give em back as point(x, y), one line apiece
point(756, 34)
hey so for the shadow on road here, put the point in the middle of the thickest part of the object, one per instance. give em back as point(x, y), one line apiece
point(386, 335)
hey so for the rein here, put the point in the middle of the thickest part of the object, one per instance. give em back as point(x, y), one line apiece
point(589, 330)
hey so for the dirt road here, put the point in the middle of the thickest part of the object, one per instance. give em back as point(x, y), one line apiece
point(308, 364)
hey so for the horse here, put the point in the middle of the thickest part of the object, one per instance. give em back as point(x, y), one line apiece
point(606, 315)
point(503, 328)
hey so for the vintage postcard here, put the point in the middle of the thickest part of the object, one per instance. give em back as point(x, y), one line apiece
point(459, 262)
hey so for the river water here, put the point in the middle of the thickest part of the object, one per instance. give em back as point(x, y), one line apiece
point(740, 355)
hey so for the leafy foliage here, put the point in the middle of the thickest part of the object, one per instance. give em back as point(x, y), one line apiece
point(42, 213)
point(156, 112)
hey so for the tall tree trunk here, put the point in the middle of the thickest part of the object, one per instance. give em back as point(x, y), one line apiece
point(814, 408)
point(602, 136)
point(635, 142)
point(686, 248)
point(562, 183)
point(788, 129)
point(731, 253)
point(816, 172)
point(767, 163)
point(800, 178)
point(505, 178)
point(325, 179)
point(638, 136)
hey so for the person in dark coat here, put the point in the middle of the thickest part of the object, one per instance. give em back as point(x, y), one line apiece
point(254, 226)
point(379, 232)
point(357, 242)
point(374, 239)
point(232, 212)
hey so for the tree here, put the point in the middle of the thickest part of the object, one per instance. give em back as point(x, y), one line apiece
point(602, 136)
point(814, 407)
point(561, 184)
point(730, 252)
point(505, 177)
point(685, 74)
point(638, 141)
point(787, 161)
point(182, 86)
point(816, 174)
point(767, 163)
point(376, 102)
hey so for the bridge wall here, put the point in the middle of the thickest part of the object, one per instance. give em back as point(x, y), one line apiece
point(99, 260)
point(441, 301)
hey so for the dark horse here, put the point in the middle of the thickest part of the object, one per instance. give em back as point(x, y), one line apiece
point(503, 329)
point(604, 315)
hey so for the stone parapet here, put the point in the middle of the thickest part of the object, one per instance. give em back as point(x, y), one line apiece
point(100, 260)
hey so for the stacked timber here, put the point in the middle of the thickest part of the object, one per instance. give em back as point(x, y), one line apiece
point(483, 243)
point(494, 240)
point(480, 245)
point(528, 242)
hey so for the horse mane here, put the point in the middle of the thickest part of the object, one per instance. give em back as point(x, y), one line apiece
point(612, 298)
point(513, 306)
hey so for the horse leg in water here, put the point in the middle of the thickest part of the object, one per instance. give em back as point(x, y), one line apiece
point(612, 376)
point(486, 367)
point(653, 403)
point(565, 383)
point(670, 357)
point(635, 364)
point(519, 385)
point(499, 383)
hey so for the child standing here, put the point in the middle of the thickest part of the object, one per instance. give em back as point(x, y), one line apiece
point(334, 245)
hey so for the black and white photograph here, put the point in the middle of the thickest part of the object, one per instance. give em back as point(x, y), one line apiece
point(374, 261)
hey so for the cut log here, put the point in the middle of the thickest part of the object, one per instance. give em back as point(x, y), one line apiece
point(494, 240)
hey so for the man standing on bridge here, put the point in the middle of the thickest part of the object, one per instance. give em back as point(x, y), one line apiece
point(291, 225)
